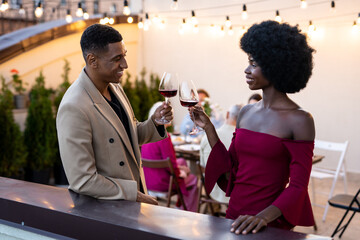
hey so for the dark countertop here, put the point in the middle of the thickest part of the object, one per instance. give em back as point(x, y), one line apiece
point(64, 212)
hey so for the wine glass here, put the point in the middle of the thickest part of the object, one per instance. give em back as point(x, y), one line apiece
point(168, 89)
point(189, 97)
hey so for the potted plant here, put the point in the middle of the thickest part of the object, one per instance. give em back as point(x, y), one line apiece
point(20, 97)
point(13, 152)
point(40, 134)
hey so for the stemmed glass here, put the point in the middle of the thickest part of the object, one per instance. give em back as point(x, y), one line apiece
point(189, 97)
point(167, 88)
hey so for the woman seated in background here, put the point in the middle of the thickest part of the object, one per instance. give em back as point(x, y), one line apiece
point(158, 179)
point(267, 168)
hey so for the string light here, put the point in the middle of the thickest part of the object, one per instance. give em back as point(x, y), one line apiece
point(182, 27)
point(333, 6)
point(79, 11)
point(228, 22)
point(147, 22)
point(126, 10)
point(156, 19)
point(196, 29)
point(111, 21)
point(311, 27)
point(86, 15)
point(355, 27)
point(303, 4)
point(193, 18)
point(39, 10)
point(68, 17)
point(242, 31)
point(244, 14)
point(162, 24)
point(222, 31)
point(130, 19)
point(21, 10)
point(174, 5)
point(4, 6)
point(140, 24)
point(231, 31)
point(277, 17)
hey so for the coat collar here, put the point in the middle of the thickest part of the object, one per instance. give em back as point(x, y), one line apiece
point(108, 113)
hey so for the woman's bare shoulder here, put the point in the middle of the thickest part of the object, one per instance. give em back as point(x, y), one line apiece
point(302, 125)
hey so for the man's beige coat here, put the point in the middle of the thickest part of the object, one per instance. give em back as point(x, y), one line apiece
point(98, 158)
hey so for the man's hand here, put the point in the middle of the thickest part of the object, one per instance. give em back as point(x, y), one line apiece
point(246, 223)
point(165, 111)
point(141, 197)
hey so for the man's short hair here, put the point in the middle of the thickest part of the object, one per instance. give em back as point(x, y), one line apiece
point(203, 91)
point(96, 38)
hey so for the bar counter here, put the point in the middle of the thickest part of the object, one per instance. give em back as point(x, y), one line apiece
point(63, 212)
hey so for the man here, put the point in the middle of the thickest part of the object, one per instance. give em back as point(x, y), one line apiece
point(225, 133)
point(98, 134)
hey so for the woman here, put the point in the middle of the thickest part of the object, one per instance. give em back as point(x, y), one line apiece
point(270, 157)
point(158, 179)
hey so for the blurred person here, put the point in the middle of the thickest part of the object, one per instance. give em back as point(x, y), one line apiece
point(267, 168)
point(225, 133)
point(158, 179)
point(98, 134)
point(254, 98)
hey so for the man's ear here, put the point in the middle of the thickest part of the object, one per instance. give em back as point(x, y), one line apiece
point(91, 59)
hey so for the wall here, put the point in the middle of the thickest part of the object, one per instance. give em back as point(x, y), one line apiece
point(217, 64)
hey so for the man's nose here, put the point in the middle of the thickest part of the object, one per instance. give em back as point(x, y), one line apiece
point(124, 64)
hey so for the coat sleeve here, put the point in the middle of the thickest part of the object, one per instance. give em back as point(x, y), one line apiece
point(75, 142)
point(294, 201)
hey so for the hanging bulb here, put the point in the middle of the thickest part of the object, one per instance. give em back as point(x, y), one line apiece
point(130, 19)
point(303, 4)
point(333, 7)
point(231, 31)
point(162, 24)
point(222, 31)
point(358, 19)
point(355, 27)
point(242, 31)
point(311, 27)
point(140, 24)
point(68, 17)
point(39, 10)
point(4, 6)
point(156, 19)
point(277, 17)
point(228, 22)
point(181, 28)
point(193, 18)
point(183, 23)
point(126, 10)
point(79, 11)
point(86, 15)
point(147, 22)
point(244, 13)
point(196, 29)
point(174, 5)
point(21, 10)
point(111, 21)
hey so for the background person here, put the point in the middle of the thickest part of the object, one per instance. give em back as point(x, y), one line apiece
point(270, 157)
point(158, 179)
point(254, 98)
point(98, 134)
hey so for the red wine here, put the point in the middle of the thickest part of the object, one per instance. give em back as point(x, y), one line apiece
point(168, 93)
point(188, 103)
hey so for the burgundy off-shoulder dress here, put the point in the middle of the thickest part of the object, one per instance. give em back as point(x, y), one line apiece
point(264, 170)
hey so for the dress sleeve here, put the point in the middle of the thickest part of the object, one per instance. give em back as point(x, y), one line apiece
point(294, 201)
point(219, 163)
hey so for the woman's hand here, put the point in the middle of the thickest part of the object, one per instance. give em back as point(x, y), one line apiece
point(201, 119)
point(246, 223)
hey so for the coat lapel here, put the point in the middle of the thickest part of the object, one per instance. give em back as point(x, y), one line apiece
point(108, 113)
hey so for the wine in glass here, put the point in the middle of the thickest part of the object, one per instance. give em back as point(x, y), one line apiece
point(189, 97)
point(168, 89)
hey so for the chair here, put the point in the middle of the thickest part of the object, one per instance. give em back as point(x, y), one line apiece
point(348, 202)
point(166, 163)
point(321, 173)
point(204, 197)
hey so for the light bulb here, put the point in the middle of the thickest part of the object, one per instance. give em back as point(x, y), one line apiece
point(146, 27)
point(111, 21)
point(228, 22)
point(174, 5)
point(39, 10)
point(355, 27)
point(303, 4)
point(21, 10)
point(162, 24)
point(68, 17)
point(106, 20)
point(126, 10)
point(147, 20)
point(333, 10)
point(358, 19)
point(193, 18)
point(196, 29)
point(79, 11)
point(222, 31)
point(156, 19)
point(231, 31)
point(311, 27)
point(102, 21)
point(277, 17)
point(242, 31)
point(244, 14)
point(181, 30)
point(86, 15)
point(140, 24)
point(130, 20)
point(4, 6)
